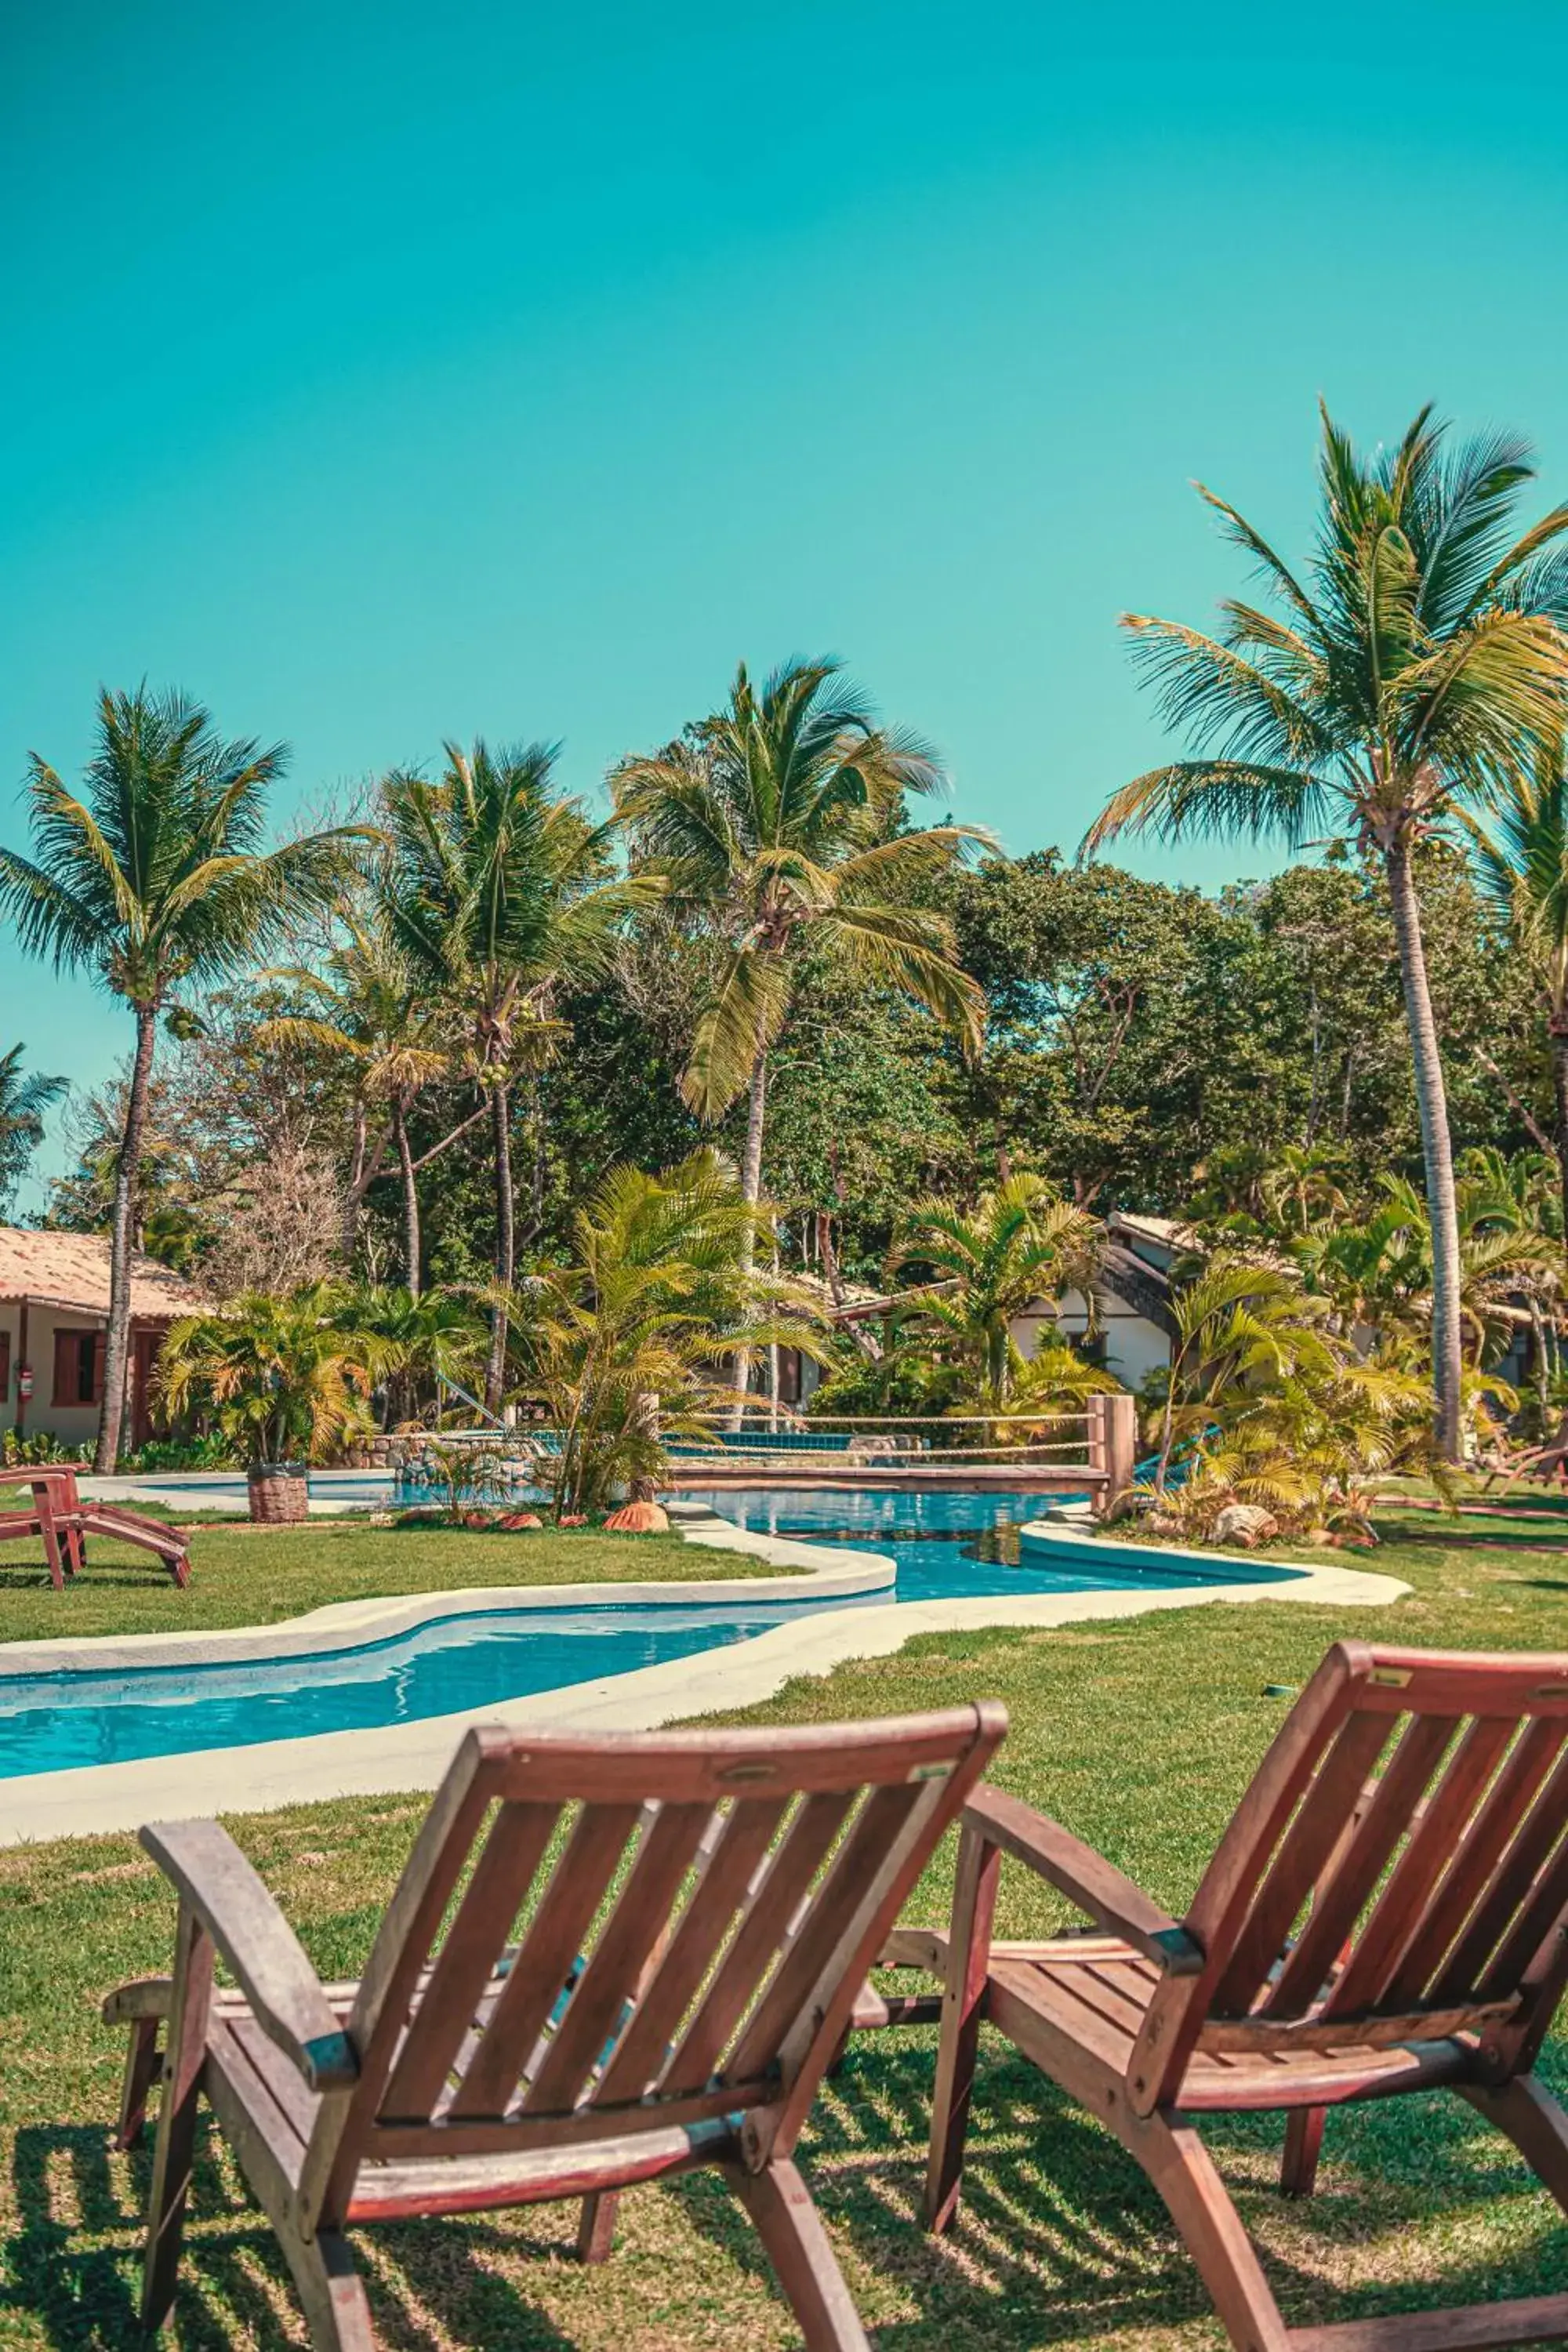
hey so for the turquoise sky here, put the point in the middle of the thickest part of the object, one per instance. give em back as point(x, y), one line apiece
point(378, 373)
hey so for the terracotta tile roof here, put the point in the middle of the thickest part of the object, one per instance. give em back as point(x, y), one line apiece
point(72, 1270)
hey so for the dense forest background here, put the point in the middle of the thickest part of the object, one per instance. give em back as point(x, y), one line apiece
point(1148, 1047)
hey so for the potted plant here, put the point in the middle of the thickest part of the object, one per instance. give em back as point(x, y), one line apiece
point(287, 1379)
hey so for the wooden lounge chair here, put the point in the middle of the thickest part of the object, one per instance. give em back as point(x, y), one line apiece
point(62, 1523)
point(1387, 1911)
point(685, 2019)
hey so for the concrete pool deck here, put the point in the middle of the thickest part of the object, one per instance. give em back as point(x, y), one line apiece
point(94, 1799)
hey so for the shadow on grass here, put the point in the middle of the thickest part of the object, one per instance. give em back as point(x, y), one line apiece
point(1061, 2238)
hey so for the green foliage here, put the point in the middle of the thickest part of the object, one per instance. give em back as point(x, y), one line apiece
point(24, 1098)
point(204, 1450)
point(623, 1344)
point(1021, 1247)
point(781, 816)
point(282, 1378)
point(32, 1446)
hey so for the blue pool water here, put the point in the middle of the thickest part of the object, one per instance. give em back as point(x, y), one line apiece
point(945, 1543)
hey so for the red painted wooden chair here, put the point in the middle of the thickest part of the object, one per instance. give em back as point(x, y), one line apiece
point(1387, 1911)
point(700, 1908)
point(62, 1522)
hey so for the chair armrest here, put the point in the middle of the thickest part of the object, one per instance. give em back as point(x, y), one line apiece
point(1095, 1886)
point(142, 1997)
point(286, 1996)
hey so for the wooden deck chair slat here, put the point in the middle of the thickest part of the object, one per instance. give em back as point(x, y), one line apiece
point(1338, 1907)
point(794, 1864)
point(595, 2013)
point(576, 1887)
point(1475, 1858)
point(693, 1948)
point(1305, 1848)
point(873, 1834)
point(1402, 1910)
point(516, 1846)
point(1511, 1882)
point(1537, 1917)
point(296, 2089)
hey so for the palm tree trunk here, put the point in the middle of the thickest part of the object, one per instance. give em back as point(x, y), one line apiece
point(506, 1245)
point(117, 1344)
point(411, 1237)
point(752, 1191)
point(1560, 1089)
point(1437, 1148)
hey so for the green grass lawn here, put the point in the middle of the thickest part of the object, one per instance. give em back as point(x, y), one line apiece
point(1141, 1735)
point(241, 1576)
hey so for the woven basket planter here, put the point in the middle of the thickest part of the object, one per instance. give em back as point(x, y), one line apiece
point(280, 1494)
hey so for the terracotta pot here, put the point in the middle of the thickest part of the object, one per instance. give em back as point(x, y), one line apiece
point(280, 1493)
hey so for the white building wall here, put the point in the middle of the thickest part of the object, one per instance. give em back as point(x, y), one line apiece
point(74, 1425)
point(1133, 1345)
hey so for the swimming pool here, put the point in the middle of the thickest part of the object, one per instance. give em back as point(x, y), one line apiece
point(944, 1544)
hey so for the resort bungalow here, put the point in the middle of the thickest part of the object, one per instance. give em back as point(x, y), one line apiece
point(53, 1310)
point(1133, 1323)
point(1132, 1319)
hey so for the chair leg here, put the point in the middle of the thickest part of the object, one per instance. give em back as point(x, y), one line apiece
point(596, 2226)
point(790, 2227)
point(1303, 2145)
point(178, 2118)
point(143, 2066)
point(1532, 2118)
point(332, 2291)
point(963, 2006)
point(1183, 2171)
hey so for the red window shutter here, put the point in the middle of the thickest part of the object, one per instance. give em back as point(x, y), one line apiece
point(5, 1366)
point(99, 1349)
point(67, 1368)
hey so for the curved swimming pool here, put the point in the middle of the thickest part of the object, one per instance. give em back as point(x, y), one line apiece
point(944, 1543)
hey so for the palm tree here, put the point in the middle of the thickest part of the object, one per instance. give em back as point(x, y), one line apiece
point(1522, 853)
point(1416, 665)
point(425, 1341)
point(777, 823)
point(1239, 1326)
point(621, 1342)
point(376, 1014)
point(495, 885)
point(1021, 1247)
point(24, 1099)
point(285, 1379)
point(156, 882)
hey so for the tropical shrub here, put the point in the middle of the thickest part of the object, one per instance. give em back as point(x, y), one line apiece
point(206, 1450)
point(626, 1345)
point(33, 1445)
point(279, 1378)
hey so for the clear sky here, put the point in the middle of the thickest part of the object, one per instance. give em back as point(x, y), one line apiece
point(378, 373)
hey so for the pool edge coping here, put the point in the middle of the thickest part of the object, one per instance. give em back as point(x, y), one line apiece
point(101, 1799)
point(820, 1572)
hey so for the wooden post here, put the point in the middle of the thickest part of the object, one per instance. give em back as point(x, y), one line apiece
point(1112, 1449)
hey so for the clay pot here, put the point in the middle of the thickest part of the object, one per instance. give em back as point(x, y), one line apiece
point(280, 1493)
point(638, 1519)
point(515, 1522)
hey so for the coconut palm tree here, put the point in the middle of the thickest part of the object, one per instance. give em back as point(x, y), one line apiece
point(495, 885)
point(779, 821)
point(1021, 1247)
point(155, 881)
point(1416, 664)
point(1522, 845)
point(24, 1099)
